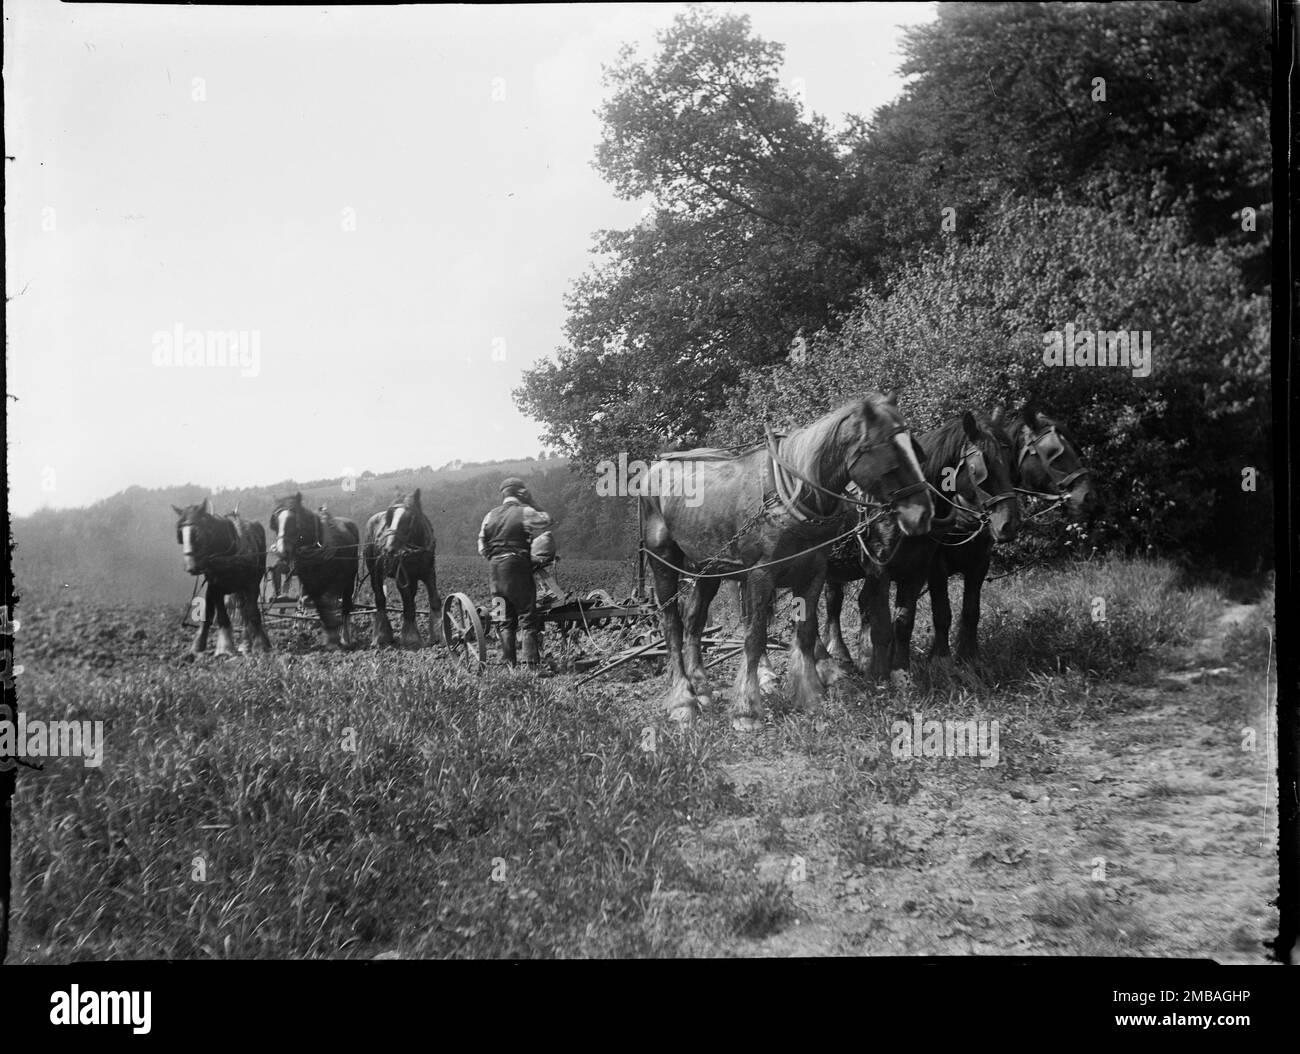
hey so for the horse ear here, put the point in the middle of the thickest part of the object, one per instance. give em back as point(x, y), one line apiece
point(178, 510)
point(1028, 413)
point(297, 497)
point(999, 415)
point(207, 506)
point(416, 496)
point(891, 397)
point(970, 426)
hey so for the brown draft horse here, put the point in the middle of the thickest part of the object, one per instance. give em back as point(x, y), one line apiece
point(399, 544)
point(230, 553)
point(969, 464)
point(321, 550)
point(760, 516)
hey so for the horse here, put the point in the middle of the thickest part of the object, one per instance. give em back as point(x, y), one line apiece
point(1047, 461)
point(399, 544)
point(230, 553)
point(764, 516)
point(971, 460)
point(321, 550)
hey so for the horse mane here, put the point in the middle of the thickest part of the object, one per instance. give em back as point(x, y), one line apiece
point(944, 445)
point(804, 447)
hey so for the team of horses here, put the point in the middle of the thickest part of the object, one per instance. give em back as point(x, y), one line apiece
point(324, 552)
point(854, 495)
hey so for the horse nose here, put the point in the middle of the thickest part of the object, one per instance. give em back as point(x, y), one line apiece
point(915, 519)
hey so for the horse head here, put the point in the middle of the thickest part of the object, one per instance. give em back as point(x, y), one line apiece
point(295, 528)
point(401, 521)
point(985, 476)
point(201, 535)
point(883, 459)
point(1047, 460)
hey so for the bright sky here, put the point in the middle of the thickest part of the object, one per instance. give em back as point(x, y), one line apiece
point(341, 186)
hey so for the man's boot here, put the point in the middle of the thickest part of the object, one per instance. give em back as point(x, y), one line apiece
point(531, 650)
point(507, 645)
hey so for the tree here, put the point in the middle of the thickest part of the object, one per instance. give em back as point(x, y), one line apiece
point(1163, 105)
point(963, 328)
point(743, 244)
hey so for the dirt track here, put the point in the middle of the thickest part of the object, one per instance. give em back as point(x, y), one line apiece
point(1143, 829)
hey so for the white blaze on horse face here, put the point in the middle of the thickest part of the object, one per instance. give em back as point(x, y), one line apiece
point(187, 541)
point(904, 442)
point(280, 521)
point(397, 518)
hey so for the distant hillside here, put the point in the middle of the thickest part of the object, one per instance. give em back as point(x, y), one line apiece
point(124, 547)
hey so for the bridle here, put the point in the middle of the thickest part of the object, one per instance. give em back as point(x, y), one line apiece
point(856, 454)
point(202, 564)
point(315, 547)
point(410, 548)
point(1062, 481)
point(864, 447)
point(978, 469)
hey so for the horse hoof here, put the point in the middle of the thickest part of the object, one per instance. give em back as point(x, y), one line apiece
point(747, 723)
point(830, 673)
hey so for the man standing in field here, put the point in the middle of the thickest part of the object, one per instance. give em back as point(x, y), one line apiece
point(505, 539)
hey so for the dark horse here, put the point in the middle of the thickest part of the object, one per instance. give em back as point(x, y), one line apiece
point(1047, 461)
point(399, 544)
point(230, 553)
point(765, 516)
point(969, 463)
point(321, 550)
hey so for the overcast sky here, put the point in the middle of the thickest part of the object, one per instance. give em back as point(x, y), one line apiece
point(341, 186)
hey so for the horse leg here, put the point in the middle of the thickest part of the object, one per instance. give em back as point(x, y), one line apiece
point(968, 647)
point(807, 689)
point(680, 703)
point(201, 637)
point(225, 634)
point(909, 588)
point(256, 632)
point(381, 629)
point(873, 611)
point(435, 603)
point(348, 588)
point(323, 600)
point(940, 608)
point(832, 632)
point(747, 701)
point(409, 587)
point(697, 617)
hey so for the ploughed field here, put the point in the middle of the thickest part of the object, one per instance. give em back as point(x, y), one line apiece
point(388, 803)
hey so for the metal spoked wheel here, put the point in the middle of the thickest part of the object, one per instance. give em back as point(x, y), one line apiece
point(599, 598)
point(463, 631)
